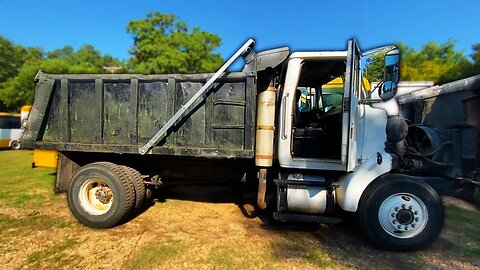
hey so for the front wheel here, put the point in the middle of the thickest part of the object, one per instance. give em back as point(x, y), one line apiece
point(401, 214)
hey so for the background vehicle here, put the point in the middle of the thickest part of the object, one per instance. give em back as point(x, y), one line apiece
point(10, 130)
point(445, 129)
point(24, 111)
point(41, 157)
point(120, 134)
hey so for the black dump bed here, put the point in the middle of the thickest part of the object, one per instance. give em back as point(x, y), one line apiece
point(115, 113)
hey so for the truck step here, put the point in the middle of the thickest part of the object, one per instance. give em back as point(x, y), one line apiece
point(300, 183)
point(291, 217)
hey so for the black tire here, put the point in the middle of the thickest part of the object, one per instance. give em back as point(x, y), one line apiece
point(102, 178)
point(385, 205)
point(137, 181)
point(15, 145)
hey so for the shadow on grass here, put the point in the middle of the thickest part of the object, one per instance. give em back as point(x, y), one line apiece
point(221, 193)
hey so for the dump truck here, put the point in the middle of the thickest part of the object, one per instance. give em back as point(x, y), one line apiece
point(121, 135)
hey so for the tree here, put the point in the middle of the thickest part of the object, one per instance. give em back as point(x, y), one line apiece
point(163, 44)
point(476, 59)
point(438, 63)
point(11, 58)
point(65, 52)
point(17, 88)
point(375, 66)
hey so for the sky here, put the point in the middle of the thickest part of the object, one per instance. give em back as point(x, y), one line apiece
point(301, 25)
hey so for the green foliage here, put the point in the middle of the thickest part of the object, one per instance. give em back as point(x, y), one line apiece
point(375, 66)
point(476, 53)
point(162, 44)
point(11, 58)
point(165, 44)
point(19, 66)
point(476, 58)
point(434, 62)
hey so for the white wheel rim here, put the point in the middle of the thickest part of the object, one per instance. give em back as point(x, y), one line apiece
point(15, 145)
point(95, 196)
point(403, 215)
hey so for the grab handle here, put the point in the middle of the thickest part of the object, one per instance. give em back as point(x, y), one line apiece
point(283, 111)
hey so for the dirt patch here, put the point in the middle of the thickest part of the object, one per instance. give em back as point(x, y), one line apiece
point(462, 204)
point(182, 234)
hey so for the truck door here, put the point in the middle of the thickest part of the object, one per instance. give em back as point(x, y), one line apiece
point(311, 138)
point(351, 114)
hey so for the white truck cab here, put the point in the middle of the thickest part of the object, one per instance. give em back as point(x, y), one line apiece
point(344, 150)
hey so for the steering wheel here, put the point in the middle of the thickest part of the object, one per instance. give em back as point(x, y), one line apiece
point(327, 108)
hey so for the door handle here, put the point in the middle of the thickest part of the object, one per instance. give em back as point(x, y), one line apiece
point(283, 109)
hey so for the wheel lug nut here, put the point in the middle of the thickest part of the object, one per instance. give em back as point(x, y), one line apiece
point(415, 213)
point(396, 208)
point(403, 206)
point(413, 225)
point(410, 207)
point(393, 215)
point(406, 228)
point(399, 227)
point(394, 221)
point(417, 219)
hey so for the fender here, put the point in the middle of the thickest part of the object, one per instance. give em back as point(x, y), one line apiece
point(354, 184)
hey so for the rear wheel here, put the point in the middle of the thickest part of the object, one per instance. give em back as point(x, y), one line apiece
point(15, 145)
point(101, 195)
point(137, 181)
point(400, 214)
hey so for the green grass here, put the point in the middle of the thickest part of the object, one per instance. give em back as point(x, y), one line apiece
point(154, 254)
point(26, 199)
point(299, 245)
point(462, 215)
point(223, 259)
point(319, 258)
point(55, 256)
point(11, 227)
point(236, 256)
point(466, 222)
point(20, 184)
point(34, 222)
point(29, 211)
point(25, 195)
point(24, 190)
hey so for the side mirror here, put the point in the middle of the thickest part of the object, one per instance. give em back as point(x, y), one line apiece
point(392, 75)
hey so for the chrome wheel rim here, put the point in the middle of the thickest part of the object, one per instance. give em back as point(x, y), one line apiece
point(403, 215)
